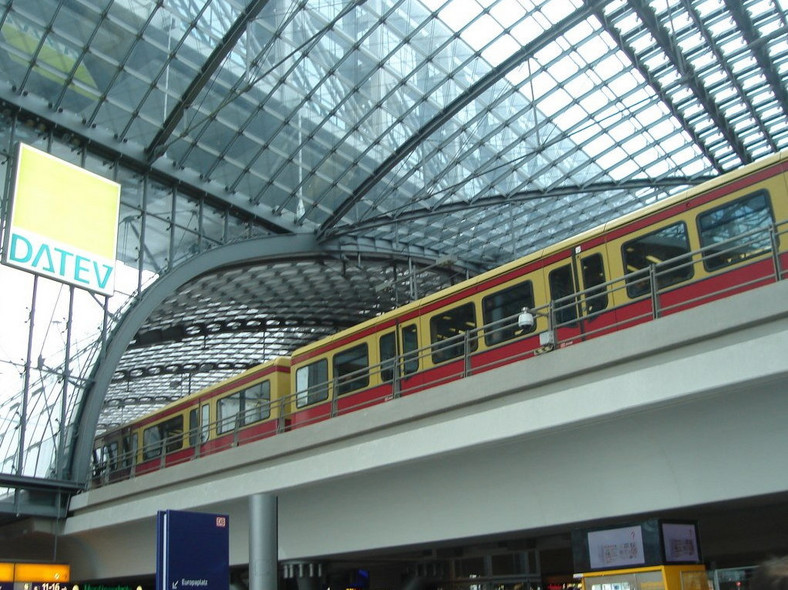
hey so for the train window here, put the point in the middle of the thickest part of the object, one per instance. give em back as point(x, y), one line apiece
point(110, 455)
point(410, 349)
point(255, 402)
point(168, 433)
point(388, 352)
point(227, 410)
point(667, 249)
point(194, 428)
point(500, 311)
point(205, 423)
point(244, 407)
point(172, 433)
point(351, 369)
point(447, 332)
point(593, 269)
point(734, 228)
point(312, 383)
point(129, 450)
point(151, 443)
point(562, 289)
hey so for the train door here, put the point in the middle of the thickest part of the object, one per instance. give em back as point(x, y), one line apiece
point(595, 292)
point(199, 427)
point(577, 287)
point(562, 286)
point(205, 423)
point(399, 357)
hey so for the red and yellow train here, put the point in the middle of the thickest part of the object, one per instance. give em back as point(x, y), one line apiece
point(711, 241)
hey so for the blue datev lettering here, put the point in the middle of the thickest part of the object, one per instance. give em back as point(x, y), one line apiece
point(44, 251)
point(102, 281)
point(63, 259)
point(55, 261)
point(80, 269)
point(13, 253)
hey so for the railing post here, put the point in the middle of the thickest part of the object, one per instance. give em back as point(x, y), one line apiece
point(652, 278)
point(333, 394)
point(466, 344)
point(778, 273)
point(280, 419)
point(551, 327)
point(396, 386)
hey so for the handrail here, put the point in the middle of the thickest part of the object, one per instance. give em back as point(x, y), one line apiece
point(125, 461)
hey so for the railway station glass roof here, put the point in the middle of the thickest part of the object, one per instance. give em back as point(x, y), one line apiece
point(470, 131)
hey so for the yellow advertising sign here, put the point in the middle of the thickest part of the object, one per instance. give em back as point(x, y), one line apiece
point(63, 222)
point(6, 572)
point(42, 572)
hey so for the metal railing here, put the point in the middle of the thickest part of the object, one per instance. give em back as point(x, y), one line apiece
point(390, 378)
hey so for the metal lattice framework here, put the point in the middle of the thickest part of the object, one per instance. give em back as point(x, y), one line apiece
point(418, 141)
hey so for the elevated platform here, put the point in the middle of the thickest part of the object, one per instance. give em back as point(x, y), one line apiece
point(676, 415)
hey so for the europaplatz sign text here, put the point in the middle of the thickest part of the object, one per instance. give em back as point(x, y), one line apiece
point(63, 222)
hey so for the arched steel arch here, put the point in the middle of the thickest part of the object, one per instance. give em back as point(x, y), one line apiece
point(248, 251)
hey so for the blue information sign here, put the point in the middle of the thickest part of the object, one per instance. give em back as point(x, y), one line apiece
point(192, 551)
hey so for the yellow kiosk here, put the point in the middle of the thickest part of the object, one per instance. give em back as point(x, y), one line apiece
point(651, 555)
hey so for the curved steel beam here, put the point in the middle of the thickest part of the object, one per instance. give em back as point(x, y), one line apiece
point(452, 109)
point(269, 248)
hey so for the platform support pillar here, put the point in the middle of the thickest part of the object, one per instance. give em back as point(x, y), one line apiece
point(263, 542)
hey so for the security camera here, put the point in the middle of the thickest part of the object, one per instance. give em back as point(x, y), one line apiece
point(526, 319)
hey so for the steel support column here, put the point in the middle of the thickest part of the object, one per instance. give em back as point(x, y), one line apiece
point(263, 542)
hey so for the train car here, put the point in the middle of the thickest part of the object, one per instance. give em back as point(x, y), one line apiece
point(243, 408)
point(714, 240)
